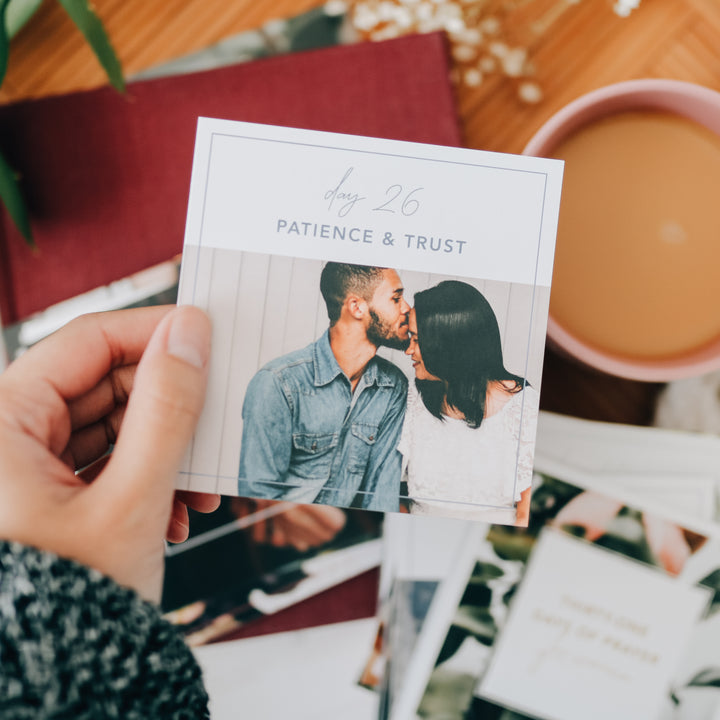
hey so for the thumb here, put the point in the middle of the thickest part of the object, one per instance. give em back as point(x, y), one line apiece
point(162, 412)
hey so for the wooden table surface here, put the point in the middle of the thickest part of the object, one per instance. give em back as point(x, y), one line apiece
point(570, 47)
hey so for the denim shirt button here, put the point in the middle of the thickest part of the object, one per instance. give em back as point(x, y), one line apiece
point(371, 438)
point(314, 446)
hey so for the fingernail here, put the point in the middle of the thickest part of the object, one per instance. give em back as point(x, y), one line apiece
point(189, 336)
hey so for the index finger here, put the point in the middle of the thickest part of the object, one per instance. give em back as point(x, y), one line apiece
point(76, 357)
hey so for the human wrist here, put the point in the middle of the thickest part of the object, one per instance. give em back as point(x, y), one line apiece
point(84, 646)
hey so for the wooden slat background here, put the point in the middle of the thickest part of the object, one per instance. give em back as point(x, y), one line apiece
point(586, 46)
point(49, 55)
point(590, 46)
point(266, 306)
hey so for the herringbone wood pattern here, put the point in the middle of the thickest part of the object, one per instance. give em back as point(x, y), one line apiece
point(575, 47)
point(587, 47)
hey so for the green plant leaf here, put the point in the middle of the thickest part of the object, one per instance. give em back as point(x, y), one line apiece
point(709, 677)
point(451, 644)
point(18, 13)
point(484, 572)
point(92, 28)
point(509, 545)
point(4, 40)
point(9, 187)
point(713, 582)
point(477, 622)
point(14, 202)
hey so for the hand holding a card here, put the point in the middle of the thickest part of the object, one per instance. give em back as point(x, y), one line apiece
point(73, 396)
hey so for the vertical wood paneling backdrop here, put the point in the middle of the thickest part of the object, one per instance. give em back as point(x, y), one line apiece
point(266, 306)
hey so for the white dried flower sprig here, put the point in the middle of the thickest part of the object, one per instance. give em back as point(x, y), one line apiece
point(624, 7)
point(476, 30)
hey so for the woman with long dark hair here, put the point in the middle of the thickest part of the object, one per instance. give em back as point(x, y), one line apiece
point(470, 422)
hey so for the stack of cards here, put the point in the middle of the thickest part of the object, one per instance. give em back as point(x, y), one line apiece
point(379, 315)
point(606, 606)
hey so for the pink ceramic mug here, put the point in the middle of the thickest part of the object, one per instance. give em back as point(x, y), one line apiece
point(694, 102)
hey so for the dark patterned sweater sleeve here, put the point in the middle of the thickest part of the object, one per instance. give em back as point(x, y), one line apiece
point(75, 644)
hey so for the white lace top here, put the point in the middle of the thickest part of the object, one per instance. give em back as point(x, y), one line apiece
point(449, 465)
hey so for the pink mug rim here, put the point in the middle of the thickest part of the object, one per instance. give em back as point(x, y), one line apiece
point(644, 93)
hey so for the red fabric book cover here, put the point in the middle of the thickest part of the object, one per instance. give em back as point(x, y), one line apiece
point(107, 176)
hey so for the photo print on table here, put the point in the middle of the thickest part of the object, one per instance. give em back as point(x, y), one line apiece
point(416, 580)
point(598, 609)
point(379, 313)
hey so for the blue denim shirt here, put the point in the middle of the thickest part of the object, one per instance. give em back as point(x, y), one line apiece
point(308, 438)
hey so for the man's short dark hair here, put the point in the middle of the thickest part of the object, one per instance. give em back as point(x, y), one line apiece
point(338, 280)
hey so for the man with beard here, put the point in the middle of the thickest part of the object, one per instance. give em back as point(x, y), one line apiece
point(322, 424)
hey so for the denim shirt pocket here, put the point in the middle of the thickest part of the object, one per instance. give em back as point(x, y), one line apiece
point(364, 436)
point(313, 454)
